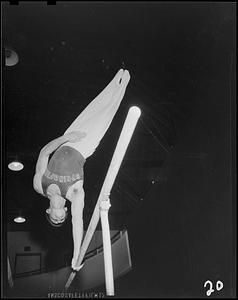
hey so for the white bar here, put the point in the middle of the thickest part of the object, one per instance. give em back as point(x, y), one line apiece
point(121, 147)
point(107, 251)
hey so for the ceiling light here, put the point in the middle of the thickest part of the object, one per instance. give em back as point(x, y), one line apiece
point(19, 219)
point(11, 57)
point(15, 166)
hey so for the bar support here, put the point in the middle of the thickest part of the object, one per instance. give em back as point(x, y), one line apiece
point(107, 251)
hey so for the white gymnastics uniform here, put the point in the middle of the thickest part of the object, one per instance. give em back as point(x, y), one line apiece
point(96, 118)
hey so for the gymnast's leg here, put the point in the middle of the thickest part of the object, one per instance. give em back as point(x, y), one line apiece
point(96, 118)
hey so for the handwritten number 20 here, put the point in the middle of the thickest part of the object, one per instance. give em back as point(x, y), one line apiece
point(219, 286)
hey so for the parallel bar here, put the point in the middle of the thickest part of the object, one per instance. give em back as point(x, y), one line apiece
point(121, 147)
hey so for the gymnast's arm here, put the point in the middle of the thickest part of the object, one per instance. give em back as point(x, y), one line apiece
point(77, 206)
point(45, 152)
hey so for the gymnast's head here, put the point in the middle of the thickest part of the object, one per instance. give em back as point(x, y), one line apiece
point(56, 214)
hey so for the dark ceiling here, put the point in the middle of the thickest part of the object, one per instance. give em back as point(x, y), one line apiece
point(69, 52)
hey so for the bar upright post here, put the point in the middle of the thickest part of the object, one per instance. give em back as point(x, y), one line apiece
point(107, 252)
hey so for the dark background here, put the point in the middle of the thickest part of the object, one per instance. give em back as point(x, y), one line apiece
point(175, 190)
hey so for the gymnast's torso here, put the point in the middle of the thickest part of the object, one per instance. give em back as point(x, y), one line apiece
point(64, 169)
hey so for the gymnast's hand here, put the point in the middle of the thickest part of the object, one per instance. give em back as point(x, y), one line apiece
point(73, 265)
point(75, 136)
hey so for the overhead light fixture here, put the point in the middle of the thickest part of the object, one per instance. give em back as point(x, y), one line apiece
point(11, 57)
point(20, 218)
point(15, 165)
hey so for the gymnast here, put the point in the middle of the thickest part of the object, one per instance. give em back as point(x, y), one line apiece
point(61, 178)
